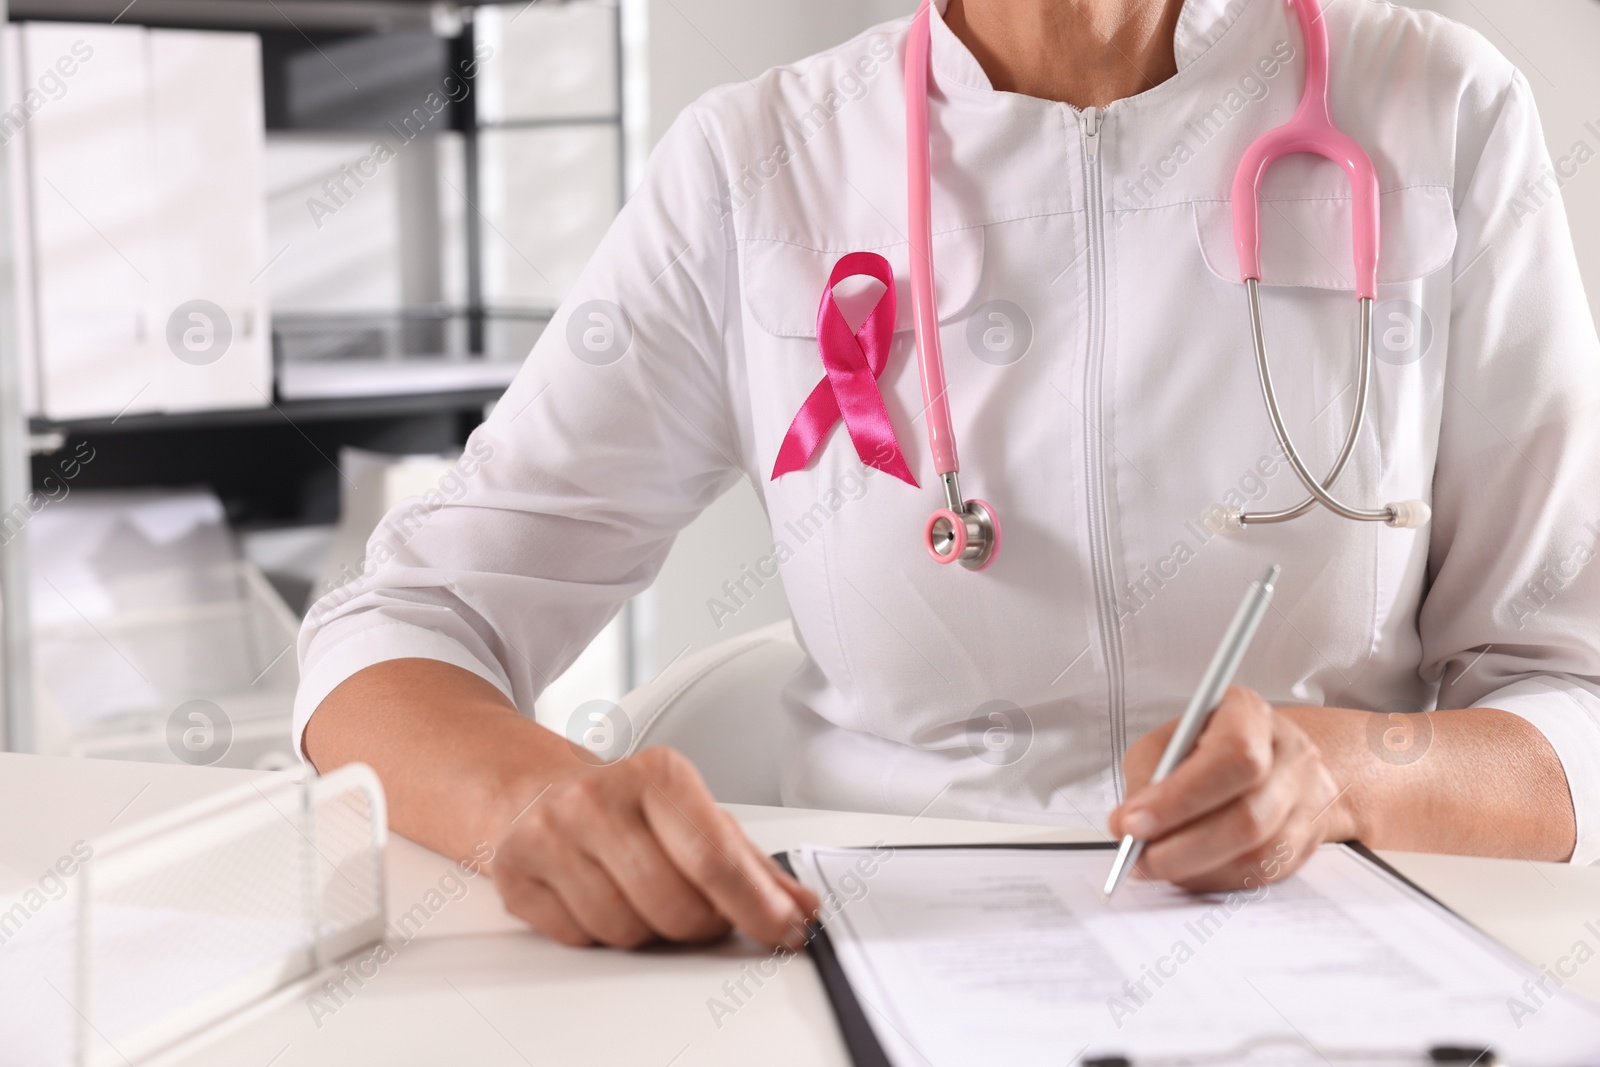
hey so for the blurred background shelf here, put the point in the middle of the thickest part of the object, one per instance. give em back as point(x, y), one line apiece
point(382, 201)
point(267, 465)
point(321, 409)
point(432, 177)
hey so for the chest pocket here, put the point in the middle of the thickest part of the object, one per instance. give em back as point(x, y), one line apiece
point(782, 281)
point(1309, 312)
point(1306, 241)
point(782, 284)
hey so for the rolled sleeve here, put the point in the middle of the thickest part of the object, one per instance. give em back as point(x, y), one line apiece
point(374, 640)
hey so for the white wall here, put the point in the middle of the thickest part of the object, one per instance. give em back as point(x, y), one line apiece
point(698, 44)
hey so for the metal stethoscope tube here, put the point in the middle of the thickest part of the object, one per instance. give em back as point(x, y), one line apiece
point(1406, 514)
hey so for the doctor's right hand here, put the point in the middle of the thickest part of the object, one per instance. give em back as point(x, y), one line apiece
point(1249, 805)
point(636, 851)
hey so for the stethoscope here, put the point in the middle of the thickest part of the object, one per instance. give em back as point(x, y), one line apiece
point(968, 531)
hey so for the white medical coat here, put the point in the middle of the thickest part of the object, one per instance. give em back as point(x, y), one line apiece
point(1104, 396)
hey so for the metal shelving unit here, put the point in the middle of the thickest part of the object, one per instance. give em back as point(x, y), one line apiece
point(16, 480)
point(269, 464)
point(284, 411)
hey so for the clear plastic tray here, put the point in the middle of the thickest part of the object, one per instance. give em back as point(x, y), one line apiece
point(210, 681)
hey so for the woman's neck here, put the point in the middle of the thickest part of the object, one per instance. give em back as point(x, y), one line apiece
point(1082, 52)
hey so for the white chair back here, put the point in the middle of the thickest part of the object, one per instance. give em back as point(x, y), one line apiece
point(720, 708)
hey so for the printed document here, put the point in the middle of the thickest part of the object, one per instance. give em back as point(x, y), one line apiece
point(1009, 956)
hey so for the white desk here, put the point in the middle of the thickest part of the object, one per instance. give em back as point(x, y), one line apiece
point(475, 988)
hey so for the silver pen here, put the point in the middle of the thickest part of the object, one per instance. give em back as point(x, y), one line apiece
point(1213, 684)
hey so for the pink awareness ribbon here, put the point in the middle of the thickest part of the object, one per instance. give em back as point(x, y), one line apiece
point(852, 364)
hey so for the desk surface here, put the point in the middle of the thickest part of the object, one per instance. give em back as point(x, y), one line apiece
point(474, 986)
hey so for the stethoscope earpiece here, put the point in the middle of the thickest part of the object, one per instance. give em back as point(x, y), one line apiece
point(1402, 515)
point(1409, 515)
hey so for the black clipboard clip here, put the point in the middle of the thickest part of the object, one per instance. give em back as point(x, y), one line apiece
point(1462, 1055)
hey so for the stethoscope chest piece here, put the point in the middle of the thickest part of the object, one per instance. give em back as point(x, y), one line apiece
point(965, 532)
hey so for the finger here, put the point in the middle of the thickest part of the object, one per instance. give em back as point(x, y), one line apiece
point(626, 848)
point(584, 889)
point(710, 852)
point(595, 901)
point(1233, 754)
point(1271, 862)
point(1139, 763)
point(713, 851)
point(807, 900)
point(537, 905)
point(1219, 838)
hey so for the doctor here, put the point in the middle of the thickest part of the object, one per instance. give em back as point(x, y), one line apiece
point(1101, 381)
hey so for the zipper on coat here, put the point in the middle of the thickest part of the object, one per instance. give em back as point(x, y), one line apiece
point(1094, 445)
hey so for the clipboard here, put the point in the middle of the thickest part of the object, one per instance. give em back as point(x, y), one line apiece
point(859, 1038)
point(865, 1049)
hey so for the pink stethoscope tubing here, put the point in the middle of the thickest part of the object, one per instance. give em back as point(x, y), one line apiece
point(963, 531)
point(967, 531)
point(1310, 129)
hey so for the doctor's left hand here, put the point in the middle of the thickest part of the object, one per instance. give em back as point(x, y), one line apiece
point(1248, 806)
